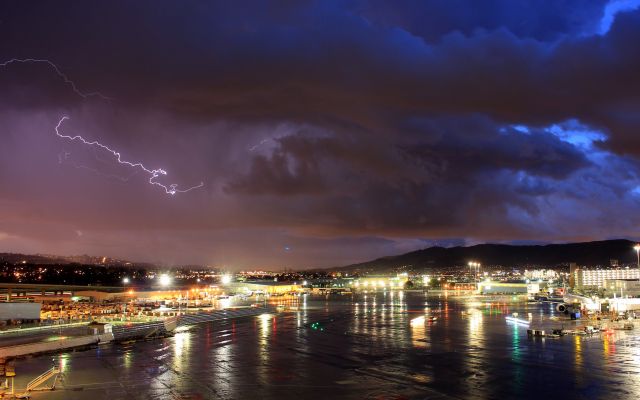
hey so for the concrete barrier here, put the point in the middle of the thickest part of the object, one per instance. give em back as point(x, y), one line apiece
point(45, 347)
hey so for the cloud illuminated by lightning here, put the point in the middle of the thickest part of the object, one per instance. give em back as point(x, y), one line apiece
point(153, 173)
point(263, 141)
point(58, 72)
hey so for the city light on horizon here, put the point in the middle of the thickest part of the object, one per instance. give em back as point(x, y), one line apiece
point(264, 187)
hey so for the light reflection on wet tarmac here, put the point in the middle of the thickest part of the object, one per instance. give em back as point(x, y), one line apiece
point(373, 346)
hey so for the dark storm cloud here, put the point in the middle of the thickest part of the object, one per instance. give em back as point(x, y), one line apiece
point(448, 171)
point(365, 118)
point(542, 20)
point(314, 60)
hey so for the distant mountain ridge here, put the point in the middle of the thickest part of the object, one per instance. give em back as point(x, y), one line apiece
point(598, 253)
point(45, 259)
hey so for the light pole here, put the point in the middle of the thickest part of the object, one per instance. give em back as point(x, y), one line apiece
point(476, 265)
point(637, 249)
point(125, 281)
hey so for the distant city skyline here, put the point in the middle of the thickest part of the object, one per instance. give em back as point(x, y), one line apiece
point(315, 134)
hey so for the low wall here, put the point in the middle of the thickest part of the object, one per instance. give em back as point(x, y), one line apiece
point(19, 311)
point(45, 347)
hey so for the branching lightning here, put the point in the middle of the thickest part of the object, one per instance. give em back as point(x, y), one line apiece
point(64, 77)
point(64, 159)
point(171, 189)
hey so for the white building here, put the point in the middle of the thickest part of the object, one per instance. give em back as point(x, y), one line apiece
point(623, 287)
point(544, 274)
point(595, 278)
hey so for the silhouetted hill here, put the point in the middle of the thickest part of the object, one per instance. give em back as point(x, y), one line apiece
point(16, 258)
point(47, 259)
point(548, 256)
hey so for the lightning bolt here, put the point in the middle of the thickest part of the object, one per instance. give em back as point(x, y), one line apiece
point(171, 189)
point(64, 159)
point(58, 72)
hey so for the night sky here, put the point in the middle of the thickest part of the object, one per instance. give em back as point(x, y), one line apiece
point(324, 132)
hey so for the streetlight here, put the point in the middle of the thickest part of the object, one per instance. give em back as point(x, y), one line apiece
point(125, 281)
point(637, 249)
point(165, 280)
point(476, 265)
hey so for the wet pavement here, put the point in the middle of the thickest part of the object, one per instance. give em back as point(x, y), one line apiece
point(374, 346)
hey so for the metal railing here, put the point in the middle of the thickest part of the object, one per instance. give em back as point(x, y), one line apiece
point(42, 378)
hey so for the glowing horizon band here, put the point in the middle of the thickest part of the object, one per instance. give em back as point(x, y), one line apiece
point(171, 189)
point(64, 77)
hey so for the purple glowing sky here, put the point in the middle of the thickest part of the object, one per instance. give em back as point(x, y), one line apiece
point(323, 132)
